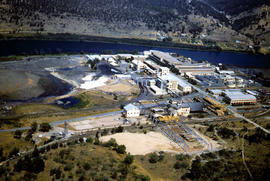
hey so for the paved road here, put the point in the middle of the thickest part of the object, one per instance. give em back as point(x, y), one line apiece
point(232, 109)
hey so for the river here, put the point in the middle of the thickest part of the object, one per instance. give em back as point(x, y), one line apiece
point(34, 47)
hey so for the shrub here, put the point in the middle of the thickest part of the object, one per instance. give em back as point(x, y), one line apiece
point(104, 132)
point(121, 149)
point(13, 152)
point(58, 173)
point(143, 178)
point(110, 143)
point(180, 157)
point(81, 178)
point(129, 159)
point(68, 167)
point(64, 152)
point(210, 128)
point(153, 158)
point(34, 127)
point(119, 129)
point(45, 127)
point(54, 146)
point(86, 166)
point(33, 165)
point(96, 142)
point(18, 134)
point(1, 154)
point(177, 165)
point(81, 140)
point(89, 140)
point(225, 132)
point(161, 156)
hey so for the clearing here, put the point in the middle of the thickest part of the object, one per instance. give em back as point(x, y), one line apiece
point(142, 144)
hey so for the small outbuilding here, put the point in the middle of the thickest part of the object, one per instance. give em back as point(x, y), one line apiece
point(131, 110)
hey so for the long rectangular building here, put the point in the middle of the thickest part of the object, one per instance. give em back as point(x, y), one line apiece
point(196, 69)
point(236, 97)
point(163, 57)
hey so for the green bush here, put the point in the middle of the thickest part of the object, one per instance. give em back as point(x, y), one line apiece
point(18, 134)
point(142, 177)
point(54, 146)
point(226, 133)
point(89, 140)
point(210, 128)
point(96, 142)
point(180, 157)
point(177, 165)
point(34, 127)
point(45, 127)
point(86, 166)
point(13, 152)
point(153, 158)
point(110, 143)
point(121, 149)
point(68, 167)
point(119, 129)
point(128, 159)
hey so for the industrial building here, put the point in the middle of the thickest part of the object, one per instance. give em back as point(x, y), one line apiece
point(232, 81)
point(184, 109)
point(172, 84)
point(131, 110)
point(216, 92)
point(152, 65)
point(163, 57)
point(237, 97)
point(182, 85)
point(138, 64)
point(156, 90)
point(164, 71)
point(196, 69)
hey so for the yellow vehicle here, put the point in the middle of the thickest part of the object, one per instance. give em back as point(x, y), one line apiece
point(168, 118)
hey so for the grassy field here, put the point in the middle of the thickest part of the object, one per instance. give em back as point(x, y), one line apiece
point(21, 121)
point(91, 102)
point(163, 169)
point(83, 161)
point(94, 98)
point(102, 162)
point(8, 142)
point(238, 138)
point(36, 108)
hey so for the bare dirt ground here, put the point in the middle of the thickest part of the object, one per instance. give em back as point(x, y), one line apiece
point(121, 87)
point(142, 144)
point(101, 122)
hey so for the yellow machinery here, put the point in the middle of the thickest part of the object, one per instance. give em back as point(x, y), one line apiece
point(168, 118)
point(215, 107)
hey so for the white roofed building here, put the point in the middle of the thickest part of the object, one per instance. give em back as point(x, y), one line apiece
point(131, 110)
point(164, 70)
point(237, 97)
point(185, 87)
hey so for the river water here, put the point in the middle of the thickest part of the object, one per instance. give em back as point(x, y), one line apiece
point(33, 47)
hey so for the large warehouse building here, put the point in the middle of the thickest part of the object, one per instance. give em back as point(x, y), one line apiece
point(237, 97)
point(181, 83)
point(163, 57)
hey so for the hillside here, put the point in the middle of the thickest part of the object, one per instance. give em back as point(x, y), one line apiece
point(237, 25)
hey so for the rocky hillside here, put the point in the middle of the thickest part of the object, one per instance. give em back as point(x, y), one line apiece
point(229, 24)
